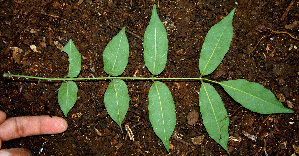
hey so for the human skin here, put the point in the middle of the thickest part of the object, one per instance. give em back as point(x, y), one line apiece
point(16, 127)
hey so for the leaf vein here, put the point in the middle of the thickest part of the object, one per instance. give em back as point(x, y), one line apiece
point(116, 55)
point(213, 50)
point(248, 94)
point(117, 102)
point(162, 114)
point(219, 129)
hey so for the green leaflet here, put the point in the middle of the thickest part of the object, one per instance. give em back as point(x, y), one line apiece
point(116, 54)
point(67, 96)
point(254, 96)
point(74, 59)
point(117, 100)
point(216, 45)
point(155, 45)
point(161, 112)
point(214, 114)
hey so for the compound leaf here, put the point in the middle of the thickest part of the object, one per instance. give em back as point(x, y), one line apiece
point(117, 100)
point(116, 54)
point(214, 114)
point(216, 45)
point(161, 112)
point(74, 59)
point(67, 96)
point(254, 96)
point(155, 44)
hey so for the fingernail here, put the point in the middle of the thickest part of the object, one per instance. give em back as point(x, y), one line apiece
point(4, 153)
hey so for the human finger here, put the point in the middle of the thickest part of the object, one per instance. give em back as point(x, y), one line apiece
point(15, 151)
point(2, 117)
point(17, 127)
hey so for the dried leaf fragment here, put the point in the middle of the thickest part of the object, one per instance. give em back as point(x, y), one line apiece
point(16, 53)
point(249, 136)
point(197, 140)
point(130, 133)
point(192, 117)
point(296, 149)
point(58, 45)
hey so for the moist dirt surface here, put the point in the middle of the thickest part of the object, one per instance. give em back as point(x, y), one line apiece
point(264, 49)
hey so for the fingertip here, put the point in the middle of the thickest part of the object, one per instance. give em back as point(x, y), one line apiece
point(62, 124)
point(55, 125)
point(2, 117)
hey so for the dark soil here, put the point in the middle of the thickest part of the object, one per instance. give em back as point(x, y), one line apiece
point(264, 49)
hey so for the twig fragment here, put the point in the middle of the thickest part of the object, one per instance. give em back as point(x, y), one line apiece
point(287, 11)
